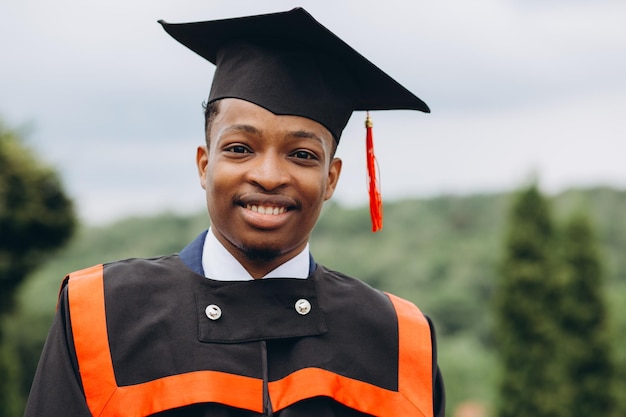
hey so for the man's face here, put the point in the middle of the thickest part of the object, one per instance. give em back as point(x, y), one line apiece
point(266, 178)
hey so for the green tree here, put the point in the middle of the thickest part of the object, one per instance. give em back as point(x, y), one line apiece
point(527, 313)
point(587, 354)
point(36, 217)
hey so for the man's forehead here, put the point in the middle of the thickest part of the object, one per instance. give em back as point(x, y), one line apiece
point(237, 115)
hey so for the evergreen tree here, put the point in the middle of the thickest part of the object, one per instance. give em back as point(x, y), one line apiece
point(35, 214)
point(587, 356)
point(35, 217)
point(527, 313)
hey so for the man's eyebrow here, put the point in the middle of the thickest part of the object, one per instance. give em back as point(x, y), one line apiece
point(299, 134)
point(241, 128)
point(303, 134)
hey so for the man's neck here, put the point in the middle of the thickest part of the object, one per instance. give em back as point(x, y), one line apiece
point(224, 263)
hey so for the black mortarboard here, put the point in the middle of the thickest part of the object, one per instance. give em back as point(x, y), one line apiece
point(290, 64)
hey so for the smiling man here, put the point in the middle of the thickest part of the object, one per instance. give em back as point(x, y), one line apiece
point(243, 321)
point(266, 178)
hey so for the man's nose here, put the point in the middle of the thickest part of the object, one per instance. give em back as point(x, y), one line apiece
point(269, 171)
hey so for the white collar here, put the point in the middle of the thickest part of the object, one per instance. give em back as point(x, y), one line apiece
point(220, 265)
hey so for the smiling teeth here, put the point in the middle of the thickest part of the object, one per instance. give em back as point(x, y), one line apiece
point(266, 209)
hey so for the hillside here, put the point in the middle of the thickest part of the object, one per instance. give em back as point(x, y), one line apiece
point(442, 253)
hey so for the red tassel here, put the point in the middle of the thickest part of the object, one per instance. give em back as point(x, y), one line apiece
point(376, 201)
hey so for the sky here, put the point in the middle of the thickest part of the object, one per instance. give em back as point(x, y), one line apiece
point(518, 89)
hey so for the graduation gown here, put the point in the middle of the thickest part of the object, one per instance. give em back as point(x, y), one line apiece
point(147, 337)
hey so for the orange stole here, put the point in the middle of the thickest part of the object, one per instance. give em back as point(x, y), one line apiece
point(105, 398)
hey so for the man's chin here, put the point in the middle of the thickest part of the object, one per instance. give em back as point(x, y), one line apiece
point(261, 254)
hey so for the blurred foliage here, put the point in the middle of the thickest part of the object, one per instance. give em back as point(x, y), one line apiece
point(442, 253)
point(35, 214)
point(527, 305)
point(586, 349)
point(552, 317)
point(36, 217)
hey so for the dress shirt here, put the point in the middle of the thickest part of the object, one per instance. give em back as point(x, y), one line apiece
point(220, 265)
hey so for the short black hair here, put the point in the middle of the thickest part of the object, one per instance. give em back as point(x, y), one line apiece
point(211, 111)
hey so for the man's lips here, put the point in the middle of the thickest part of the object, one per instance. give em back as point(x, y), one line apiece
point(266, 209)
point(267, 204)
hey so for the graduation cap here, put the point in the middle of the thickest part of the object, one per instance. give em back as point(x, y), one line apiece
point(289, 64)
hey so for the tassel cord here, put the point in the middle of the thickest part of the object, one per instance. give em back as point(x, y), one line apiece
point(376, 206)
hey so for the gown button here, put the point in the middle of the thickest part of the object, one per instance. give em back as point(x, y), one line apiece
point(213, 312)
point(303, 306)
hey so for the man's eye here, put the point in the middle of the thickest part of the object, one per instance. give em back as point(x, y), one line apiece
point(237, 149)
point(303, 155)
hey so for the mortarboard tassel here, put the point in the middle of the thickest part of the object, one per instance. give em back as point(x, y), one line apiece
point(376, 201)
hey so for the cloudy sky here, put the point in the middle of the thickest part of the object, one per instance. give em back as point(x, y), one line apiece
point(517, 88)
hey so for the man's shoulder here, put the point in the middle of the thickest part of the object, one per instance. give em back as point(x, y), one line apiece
point(352, 292)
point(132, 271)
point(137, 286)
point(129, 264)
point(345, 282)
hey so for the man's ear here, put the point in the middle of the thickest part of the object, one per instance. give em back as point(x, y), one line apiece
point(334, 171)
point(202, 161)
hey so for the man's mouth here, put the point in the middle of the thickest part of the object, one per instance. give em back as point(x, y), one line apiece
point(266, 209)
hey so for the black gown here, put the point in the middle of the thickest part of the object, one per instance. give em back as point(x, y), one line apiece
point(138, 338)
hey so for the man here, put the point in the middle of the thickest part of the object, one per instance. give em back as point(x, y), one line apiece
point(243, 322)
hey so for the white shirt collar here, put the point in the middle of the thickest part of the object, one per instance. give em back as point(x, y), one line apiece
point(220, 265)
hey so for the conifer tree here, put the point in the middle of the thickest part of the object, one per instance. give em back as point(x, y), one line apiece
point(587, 356)
point(36, 217)
point(527, 313)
